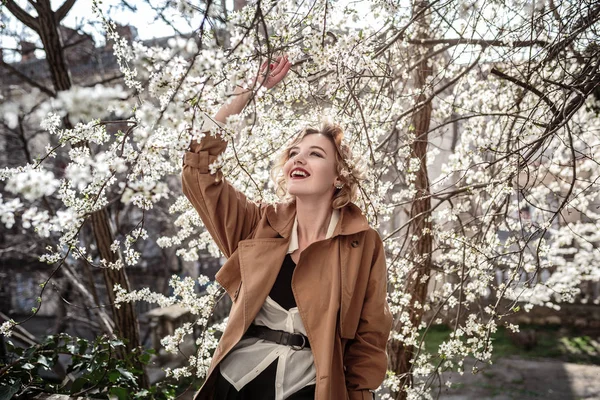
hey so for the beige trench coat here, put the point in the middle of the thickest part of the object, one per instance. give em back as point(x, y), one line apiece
point(339, 284)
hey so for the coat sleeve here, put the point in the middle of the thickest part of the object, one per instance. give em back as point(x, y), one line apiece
point(227, 214)
point(365, 358)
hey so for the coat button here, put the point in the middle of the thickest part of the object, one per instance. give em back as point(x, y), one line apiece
point(354, 243)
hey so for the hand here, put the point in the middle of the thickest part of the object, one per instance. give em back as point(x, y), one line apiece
point(271, 75)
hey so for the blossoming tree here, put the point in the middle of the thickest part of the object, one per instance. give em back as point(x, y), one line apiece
point(478, 122)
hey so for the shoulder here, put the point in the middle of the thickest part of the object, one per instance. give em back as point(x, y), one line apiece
point(373, 235)
point(371, 248)
point(372, 238)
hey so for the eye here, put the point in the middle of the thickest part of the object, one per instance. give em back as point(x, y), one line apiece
point(314, 153)
point(292, 153)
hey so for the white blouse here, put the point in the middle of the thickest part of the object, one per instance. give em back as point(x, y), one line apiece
point(251, 356)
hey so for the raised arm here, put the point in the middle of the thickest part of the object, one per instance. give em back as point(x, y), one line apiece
point(269, 76)
point(227, 214)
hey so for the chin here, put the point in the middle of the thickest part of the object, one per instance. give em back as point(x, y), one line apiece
point(295, 193)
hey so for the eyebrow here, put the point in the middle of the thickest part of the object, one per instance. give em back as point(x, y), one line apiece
point(311, 147)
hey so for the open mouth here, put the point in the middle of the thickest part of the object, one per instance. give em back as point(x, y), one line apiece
point(299, 173)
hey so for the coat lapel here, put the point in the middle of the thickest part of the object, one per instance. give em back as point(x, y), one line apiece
point(260, 262)
point(260, 259)
point(281, 217)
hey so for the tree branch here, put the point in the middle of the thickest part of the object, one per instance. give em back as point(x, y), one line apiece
point(578, 27)
point(479, 42)
point(63, 10)
point(400, 34)
point(22, 15)
point(25, 335)
point(527, 87)
point(27, 79)
point(420, 105)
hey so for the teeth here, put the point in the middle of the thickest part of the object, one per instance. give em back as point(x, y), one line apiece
point(298, 173)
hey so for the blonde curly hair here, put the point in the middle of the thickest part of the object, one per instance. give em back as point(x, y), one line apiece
point(348, 174)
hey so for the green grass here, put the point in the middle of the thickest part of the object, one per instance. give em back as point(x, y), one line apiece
point(552, 342)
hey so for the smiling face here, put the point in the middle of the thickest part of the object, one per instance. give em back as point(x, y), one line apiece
point(311, 167)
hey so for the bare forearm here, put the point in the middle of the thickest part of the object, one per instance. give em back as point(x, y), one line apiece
point(269, 76)
point(234, 105)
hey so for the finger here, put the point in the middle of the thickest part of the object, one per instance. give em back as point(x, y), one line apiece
point(288, 66)
point(264, 67)
point(270, 64)
point(275, 79)
point(283, 72)
point(281, 64)
point(285, 67)
point(277, 69)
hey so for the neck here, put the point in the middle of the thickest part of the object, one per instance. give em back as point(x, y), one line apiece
point(313, 220)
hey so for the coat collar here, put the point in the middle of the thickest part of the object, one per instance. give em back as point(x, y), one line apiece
point(281, 217)
point(293, 246)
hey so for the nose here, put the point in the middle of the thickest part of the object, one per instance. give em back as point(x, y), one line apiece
point(299, 159)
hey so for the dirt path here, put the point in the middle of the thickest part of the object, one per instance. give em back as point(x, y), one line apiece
point(508, 378)
point(517, 378)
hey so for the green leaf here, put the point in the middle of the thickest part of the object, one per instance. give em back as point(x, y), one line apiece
point(29, 352)
point(78, 385)
point(121, 393)
point(144, 358)
point(42, 360)
point(95, 375)
point(116, 343)
point(142, 394)
point(83, 345)
point(7, 392)
point(76, 366)
point(128, 375)
point(16, 350)
point(71, 348)
point(114, 376)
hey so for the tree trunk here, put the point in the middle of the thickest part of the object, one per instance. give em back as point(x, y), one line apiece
point(126, 325)
point(48, 29)
point(420, 225)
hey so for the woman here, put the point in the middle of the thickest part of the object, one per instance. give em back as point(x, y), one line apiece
point(307, 276)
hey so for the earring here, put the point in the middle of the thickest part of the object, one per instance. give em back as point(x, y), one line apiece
point(339, 185)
